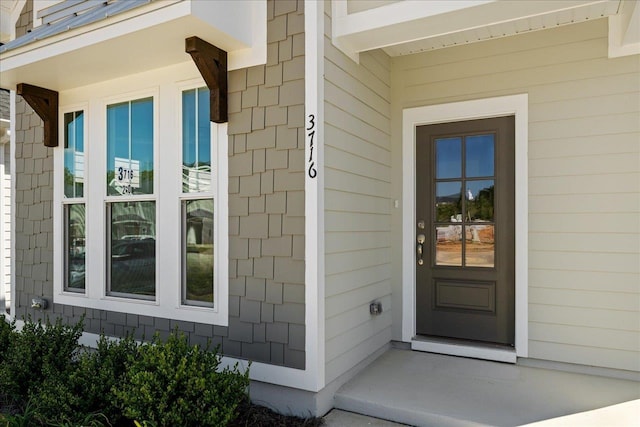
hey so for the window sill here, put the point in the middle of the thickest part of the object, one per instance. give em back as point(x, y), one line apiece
point(206, 315)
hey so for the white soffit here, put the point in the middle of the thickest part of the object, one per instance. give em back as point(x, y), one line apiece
point(144, 38)
point(410, 26)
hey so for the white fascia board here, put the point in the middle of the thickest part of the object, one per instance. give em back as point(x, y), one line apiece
point(121, 46)
point(624, 31)
point(408, 21)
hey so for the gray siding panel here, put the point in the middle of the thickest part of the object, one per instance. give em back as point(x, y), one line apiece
point(266, 271)
point(357, 205)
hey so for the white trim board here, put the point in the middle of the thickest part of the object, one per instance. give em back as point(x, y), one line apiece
point(466, 350)
point(314, 198)
point(458, 111)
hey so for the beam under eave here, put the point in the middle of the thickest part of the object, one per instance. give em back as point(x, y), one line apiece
point(45, 103)
point(212, 64)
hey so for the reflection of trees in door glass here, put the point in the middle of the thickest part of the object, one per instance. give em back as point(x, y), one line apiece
point(449, 201)
point(480, 198)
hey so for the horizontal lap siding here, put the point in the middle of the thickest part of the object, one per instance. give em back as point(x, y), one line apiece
point(584, 178)
point(357, 206)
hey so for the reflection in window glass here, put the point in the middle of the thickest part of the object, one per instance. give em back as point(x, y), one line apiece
point(74, 154)
point(74, 219)
point(130, 147)
point(479, 196)
point(449, 201)
point(132, 249)
point(479, 150)
point(448, 158)
point(197, 252)
point(449, 245)
point(479, 246)
point(196, 141)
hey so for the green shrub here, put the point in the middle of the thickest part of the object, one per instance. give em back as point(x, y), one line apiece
point(39, 357)
point(47, 378)
point(101, 371)
point(7, 333)
point(172, 383)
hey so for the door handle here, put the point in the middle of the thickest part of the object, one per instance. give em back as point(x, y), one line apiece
point(420, 248)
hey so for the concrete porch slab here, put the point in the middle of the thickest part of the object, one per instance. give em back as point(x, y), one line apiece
point(425, 389)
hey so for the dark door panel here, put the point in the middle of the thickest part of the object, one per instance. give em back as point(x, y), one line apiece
point(465, 211)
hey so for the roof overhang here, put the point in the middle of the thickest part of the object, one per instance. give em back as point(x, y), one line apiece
point(407, 27)
point(144, 38)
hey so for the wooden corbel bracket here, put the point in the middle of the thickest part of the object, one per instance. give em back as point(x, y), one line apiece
point(212, 64)
point(45, 103)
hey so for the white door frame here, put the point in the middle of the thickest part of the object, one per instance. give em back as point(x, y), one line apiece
point(459, 111)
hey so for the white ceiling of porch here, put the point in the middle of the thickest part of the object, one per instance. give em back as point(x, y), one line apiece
point(411, 26)
point(524, 24)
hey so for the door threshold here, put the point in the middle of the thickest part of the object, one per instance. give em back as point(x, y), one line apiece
point(464, 349)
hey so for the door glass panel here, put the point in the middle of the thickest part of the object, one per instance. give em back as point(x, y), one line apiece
point(480, 246)
point(479, 198)
point(448, 158)
point(449, 201)
point(479, 159)
point(449, 245)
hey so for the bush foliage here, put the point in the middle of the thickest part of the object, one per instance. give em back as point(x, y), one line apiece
point(48, 378)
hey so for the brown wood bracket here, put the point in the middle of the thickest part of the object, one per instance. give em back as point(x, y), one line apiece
point(45, 103)
point(212, 64)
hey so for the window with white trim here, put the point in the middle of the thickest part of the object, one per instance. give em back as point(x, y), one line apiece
point(140, 189)
point(74, 209)
point(197, 200)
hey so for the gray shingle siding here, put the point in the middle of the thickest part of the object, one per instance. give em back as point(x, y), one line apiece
point(266, 213)
point(4, 104)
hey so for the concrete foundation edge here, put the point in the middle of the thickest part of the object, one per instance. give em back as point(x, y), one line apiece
point(302, 403)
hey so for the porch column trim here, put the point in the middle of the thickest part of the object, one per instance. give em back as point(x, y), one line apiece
point(212, 64)
point(45, 103)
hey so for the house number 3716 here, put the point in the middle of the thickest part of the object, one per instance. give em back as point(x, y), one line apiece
point(311, 132)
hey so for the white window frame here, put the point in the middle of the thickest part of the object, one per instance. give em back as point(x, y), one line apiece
point(166, 89)
point(213, 193)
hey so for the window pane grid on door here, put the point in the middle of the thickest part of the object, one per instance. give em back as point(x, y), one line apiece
point(464, 180)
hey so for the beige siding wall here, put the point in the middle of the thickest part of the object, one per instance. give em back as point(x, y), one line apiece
point(584, 178)
point(357, 205)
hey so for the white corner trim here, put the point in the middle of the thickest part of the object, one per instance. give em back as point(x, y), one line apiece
point(12, 195)
point(339, 13)
point(624, 34)
point(15, 16)
point(257, 53)
point(458, 111)
point(314, 195)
